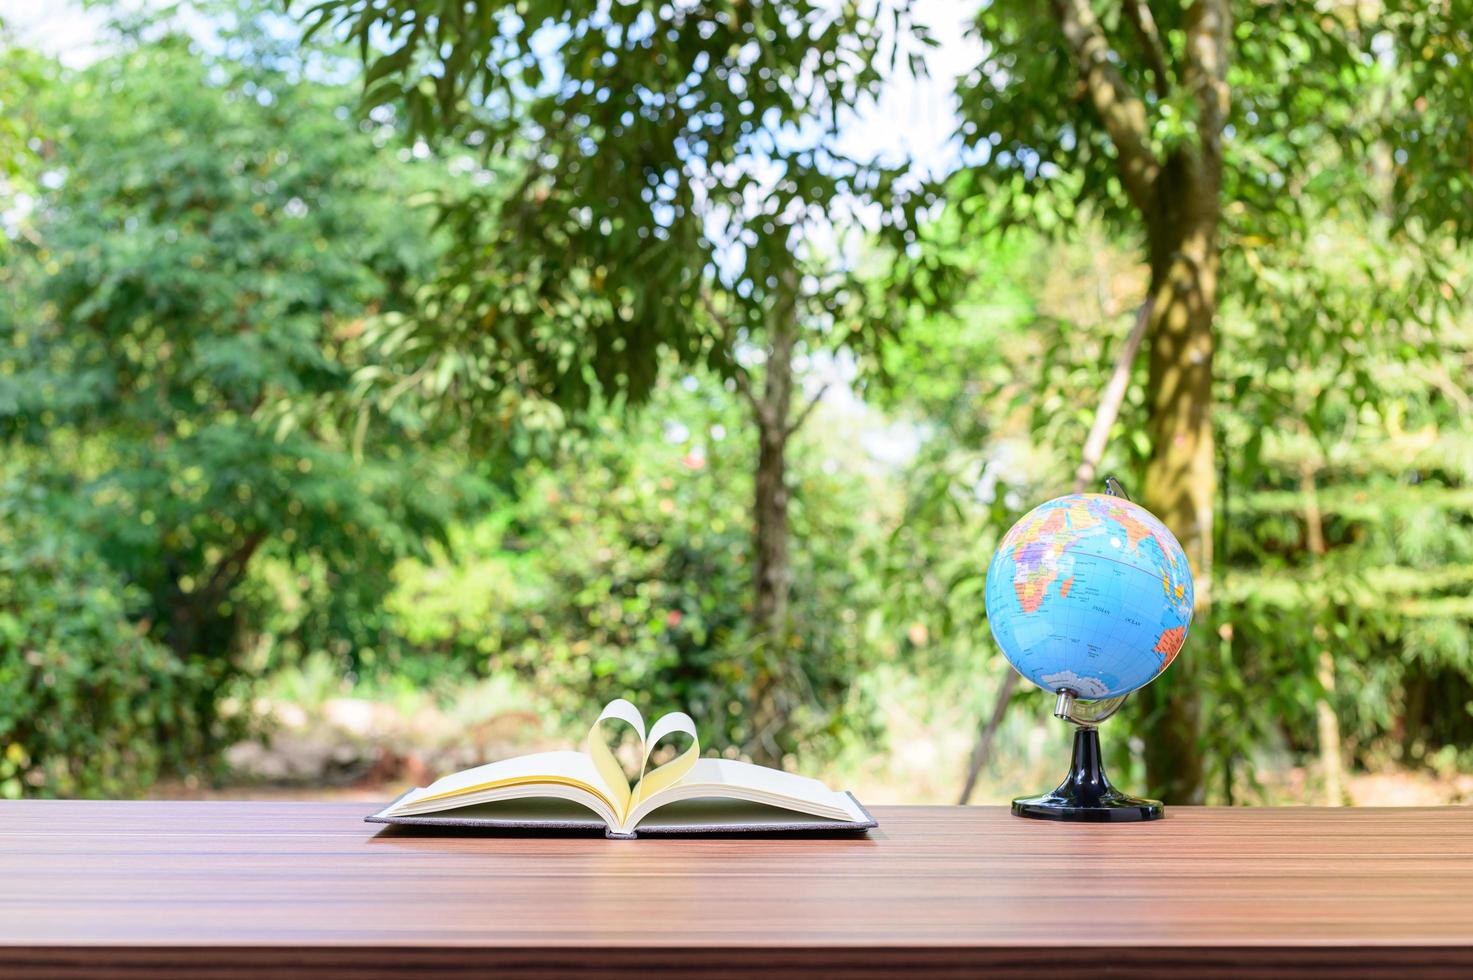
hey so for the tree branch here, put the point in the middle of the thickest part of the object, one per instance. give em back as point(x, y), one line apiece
point(797, 423)
point(230, 568)
point(1094, 448)
point(721, 322)
point(1120, 109)
point(744, 385)
point(983, 748)
point(1138, 12)
point(1112, 398)
point(728, 338)
point(1208, 25)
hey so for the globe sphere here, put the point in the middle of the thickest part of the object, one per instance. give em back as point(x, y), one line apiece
point(1089, 593)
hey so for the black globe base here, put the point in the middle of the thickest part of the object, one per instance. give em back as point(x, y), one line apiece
point(1086, 795)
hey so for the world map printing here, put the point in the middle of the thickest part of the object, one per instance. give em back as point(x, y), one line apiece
point(1092, 593)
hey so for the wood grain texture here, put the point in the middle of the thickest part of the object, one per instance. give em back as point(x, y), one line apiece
point(227, 888)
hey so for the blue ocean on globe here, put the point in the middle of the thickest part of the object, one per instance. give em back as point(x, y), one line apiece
point(1089, 593)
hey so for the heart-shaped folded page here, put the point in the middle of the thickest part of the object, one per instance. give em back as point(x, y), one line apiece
point(661, 777)
point(626, 792)
point(601, 736)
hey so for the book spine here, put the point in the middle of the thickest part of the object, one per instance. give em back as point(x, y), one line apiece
point(612, 835)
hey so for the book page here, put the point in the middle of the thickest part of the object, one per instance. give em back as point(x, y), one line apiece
point(569, 768)
point(731, 780)
point(566, 775)
point(611, 774)
point(533, 795)
point(530, 810)
point(652, 781)
point(595, 779)
point(710, 815)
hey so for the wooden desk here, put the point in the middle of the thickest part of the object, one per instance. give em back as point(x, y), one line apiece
point(232, 888)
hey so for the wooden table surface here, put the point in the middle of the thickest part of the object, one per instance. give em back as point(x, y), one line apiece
point(146, 888)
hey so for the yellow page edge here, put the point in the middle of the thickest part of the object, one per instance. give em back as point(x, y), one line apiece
point(520, 781)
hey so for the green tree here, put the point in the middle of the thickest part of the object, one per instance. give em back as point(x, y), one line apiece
point(620, 568)
point(214, 231)
point(1345, 554)
point(1428, 121)
point(90, 705)
point(667, 180)
point(1186, 126)
point(1339, 639)
point(23, 74)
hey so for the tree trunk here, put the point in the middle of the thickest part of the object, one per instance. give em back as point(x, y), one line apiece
point(1178, 198)
point(1327, 723)
point(1181, 476)
point(770, 576)
point(1111, 398)
point(195, 624)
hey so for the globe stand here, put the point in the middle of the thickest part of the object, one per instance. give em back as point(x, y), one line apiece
point(1086, 795)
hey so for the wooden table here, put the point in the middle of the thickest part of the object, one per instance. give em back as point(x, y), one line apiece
point(232, 888)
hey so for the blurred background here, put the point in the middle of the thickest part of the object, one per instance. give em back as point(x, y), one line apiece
point(383, 387)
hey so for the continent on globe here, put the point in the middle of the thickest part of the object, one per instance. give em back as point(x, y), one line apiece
point(1169, 645)
point(1089, 593)
point(1084, 687)
point(1038, 553)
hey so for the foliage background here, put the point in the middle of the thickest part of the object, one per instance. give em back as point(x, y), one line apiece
point(242, 512)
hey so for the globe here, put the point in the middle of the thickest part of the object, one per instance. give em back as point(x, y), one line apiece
point(1089, 593)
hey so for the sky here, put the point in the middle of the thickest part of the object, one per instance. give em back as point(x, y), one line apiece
point(64, 30)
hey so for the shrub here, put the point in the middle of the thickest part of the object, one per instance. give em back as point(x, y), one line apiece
point(623, 571)
point(89, 705)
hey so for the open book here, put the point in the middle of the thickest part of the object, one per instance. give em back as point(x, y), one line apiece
point(591, 790)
